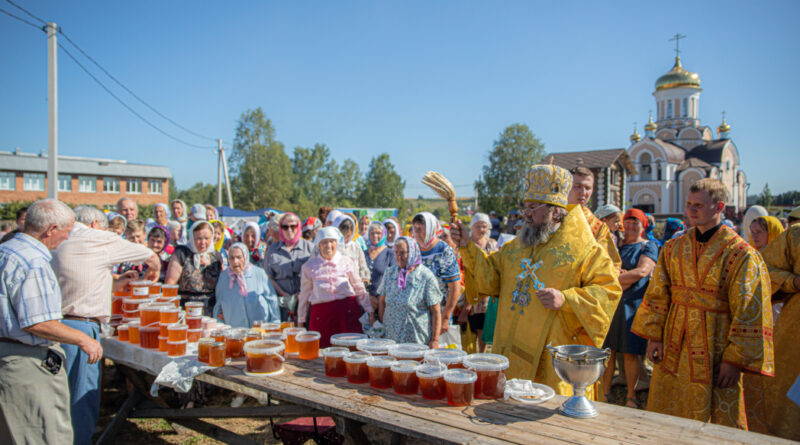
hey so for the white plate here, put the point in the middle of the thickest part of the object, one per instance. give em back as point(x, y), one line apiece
point(548, 394)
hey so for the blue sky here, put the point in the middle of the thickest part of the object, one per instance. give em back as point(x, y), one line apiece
point(431, 83)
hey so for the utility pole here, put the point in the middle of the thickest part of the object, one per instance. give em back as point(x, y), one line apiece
point(219, 173)
point(52, 111)
point(227, 179)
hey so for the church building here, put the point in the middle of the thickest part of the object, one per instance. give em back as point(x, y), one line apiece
point(677, 150)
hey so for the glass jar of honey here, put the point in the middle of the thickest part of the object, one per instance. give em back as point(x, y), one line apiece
point(408, 351)
point(204, 348)
point(286, 324)
point(176, 348)
point(252, 334)
point(333, 358)
point(270, 327)
point(275, 336)
point(460, 386)
point(380, 371)
point(491, 371)
point(219, 334)
point(404, 377)
point(263, 357)
point(449, 357)
point(356, 367)
point(307, 345)
point(431, 380)
point(140, 288)
point(234, 341)
point(194, 308)
point(375, 346)
point(347, 340)
point(291, 344)
point(216, 354)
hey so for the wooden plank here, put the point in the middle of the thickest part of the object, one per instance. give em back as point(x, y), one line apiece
point(215, 432)
point(111, 430)
point(227, 412)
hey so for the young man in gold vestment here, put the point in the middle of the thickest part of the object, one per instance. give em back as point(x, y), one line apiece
point(707, 316)
point(782, 256)
point(555, 283)
point(579, 195)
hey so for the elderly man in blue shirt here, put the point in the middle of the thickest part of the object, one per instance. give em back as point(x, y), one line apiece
point(34, 393)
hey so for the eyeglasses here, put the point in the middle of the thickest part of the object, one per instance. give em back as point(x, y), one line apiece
point(288, 226)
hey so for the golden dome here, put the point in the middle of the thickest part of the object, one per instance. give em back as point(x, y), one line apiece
point(635, 137)
point(678, 76)
point(651, 126)
point(724, 127)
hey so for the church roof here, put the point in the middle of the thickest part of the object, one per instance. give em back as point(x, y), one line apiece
point(695, 163)
point(592, 159)
point(678, 77)
point(675, 153)
point(710, 152)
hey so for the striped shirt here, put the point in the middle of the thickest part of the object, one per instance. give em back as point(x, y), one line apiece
point(29, 291)
point(83, 265)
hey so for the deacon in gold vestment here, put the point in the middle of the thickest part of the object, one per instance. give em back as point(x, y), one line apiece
point(783, 260)
point(555, 283)
point(579, 195)
point(707, 316)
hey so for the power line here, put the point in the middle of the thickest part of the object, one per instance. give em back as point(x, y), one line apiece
point(127, 106)
point(91, 59)
point(21, 19)
point(27, 12)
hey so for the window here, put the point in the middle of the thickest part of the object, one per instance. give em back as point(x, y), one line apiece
point(64, 183)
point(34, 182)
point(646, 173)
point(110, 185)
point(669, 109)
point(7, 180)
point(134, 186)
point(155, 187)
point(685, 108)
point(87, 184)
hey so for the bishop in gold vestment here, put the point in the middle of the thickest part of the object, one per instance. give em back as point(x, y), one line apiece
point(709, 303)
point(570, 261)
point(783, 260)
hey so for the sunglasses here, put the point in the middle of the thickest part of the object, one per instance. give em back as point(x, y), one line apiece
point(288, 226)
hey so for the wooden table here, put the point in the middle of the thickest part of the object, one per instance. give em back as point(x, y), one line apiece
point(304, 385)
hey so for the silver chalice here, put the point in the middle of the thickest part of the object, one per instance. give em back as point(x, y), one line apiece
point(580, 366)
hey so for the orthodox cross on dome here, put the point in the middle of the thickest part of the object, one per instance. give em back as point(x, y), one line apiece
point(650, 113)
point(677, 40)
point(634, 126)
point(723, 115)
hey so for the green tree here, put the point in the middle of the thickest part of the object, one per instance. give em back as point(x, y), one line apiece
point(501, 185)
point(199, 193)
point(261, 170)
point(344, 182)
point(766, 196)
point(309, 169)
point(383, 186)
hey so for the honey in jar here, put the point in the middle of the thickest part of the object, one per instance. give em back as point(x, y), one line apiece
point(234, 343)
point(169, 314)
point(194, 322)
point(270, 327)
point(122, 332)
point(177, 332)
point(257, 324)
point(431, 380)
point(209, 323)
point(150, 313)
point(216, 354)
point(307, 345)
point(194, 308)
point(263, 357)
point(286, 324)
point(192, 335)
point(347, 340)
point(155, 288)
point(162, 344)
point(375, 346)
point(175, 301)
point(404, 377)
point(253, 334)
point(459, 386)
point(449, 357)
point(380, 372)
point(133, 332)
point(176, 348)
point(408, 351)
point(116, 304)
point(148, 336)
point(291, 344)
point(140, 288)
point(490, 369)
point(333, 358)
point(219, 334)
point(203, 348)
point(162, 329)
point(169, 290)
point(356, 367)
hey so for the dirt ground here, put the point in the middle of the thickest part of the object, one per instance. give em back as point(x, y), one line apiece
point(160, 432)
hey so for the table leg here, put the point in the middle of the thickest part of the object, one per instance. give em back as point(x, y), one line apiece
point(111, 430)
point(352, 429)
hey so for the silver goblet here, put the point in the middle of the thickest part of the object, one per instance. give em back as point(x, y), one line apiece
point(580, 366)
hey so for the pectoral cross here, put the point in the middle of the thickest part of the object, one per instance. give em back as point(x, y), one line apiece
point(521, 294)
point(677, 40)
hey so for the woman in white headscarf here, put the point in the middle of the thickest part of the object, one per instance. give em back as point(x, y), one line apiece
point(346, 226)
point(332, 296)
point(179, 214)
point(196, 267)
point(392, 230)
point(251, 237)
point(244, 292)
point(751, 215)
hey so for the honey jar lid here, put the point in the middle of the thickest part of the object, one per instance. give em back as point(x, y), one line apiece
point(380, 361)
point(205, 340)
point(486, 362)
point(374, 345)
point(273, 336)
point(346, 339)
point(462, 376)
point(406, 366)
point(267, 347)
point(432, 370)
point(334, 351)
point(357, 357)
point(408, 350)
point(293, 331)
point(307, 336)
point(445, 355)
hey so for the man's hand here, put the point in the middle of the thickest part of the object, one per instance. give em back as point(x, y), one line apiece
point(434, 343)
point(550, 298)
point(459, 234)
point(728, 375)
point(655, 351)
point(153, 268)
point(92, 348)
point(445, 325)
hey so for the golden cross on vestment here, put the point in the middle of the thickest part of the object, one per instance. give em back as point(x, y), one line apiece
point(677, 40)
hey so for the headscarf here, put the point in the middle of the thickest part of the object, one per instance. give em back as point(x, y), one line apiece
point(218, 245)
point(606, 210)
point(311, 223)
point(356, 234)
point(201, 258)
point(166, 210)
point(255, 252)
point(329, 232)
point(414, 260)
point(166, 234)
point(340, 219)
point(638, 215)
point(431, 228)
point(238, 278)
point(185, 216)
point(112, 215)
point(672, 226)
point(297, 234)
point(751, 214)
point(648, 231)
point(332, 215)
point(382, 242)
point(774, 228)
point(397, 232)
point(480, 217)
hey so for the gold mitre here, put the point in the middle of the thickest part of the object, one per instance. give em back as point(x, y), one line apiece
point(548, 184)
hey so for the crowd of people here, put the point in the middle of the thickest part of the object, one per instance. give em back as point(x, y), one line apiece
point(700, 303)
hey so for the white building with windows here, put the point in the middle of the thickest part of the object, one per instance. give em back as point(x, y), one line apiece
point(677, 150)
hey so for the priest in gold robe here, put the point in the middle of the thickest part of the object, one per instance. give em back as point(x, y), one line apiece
point(555, 283)
point(579, 196)
point(707, 316)
point(782, 256)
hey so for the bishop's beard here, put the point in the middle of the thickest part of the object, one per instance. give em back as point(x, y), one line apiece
point(533, 234)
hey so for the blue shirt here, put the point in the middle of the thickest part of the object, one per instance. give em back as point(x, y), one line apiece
point(260, 303)
point(442, 261)
point(29, 290)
